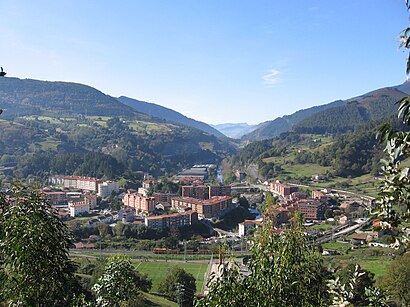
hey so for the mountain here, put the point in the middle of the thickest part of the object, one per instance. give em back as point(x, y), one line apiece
point(375, 105)
point(235, 131)
point(335, 117)
point(156, 110)
point(270, 129)
point(34, 97)
point(70, 128)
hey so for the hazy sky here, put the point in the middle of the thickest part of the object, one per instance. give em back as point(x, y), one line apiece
point(213, 60)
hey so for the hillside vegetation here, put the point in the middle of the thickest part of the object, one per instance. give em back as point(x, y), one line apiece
point(67, 128)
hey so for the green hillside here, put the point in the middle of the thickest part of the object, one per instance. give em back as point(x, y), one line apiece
point(67, 128)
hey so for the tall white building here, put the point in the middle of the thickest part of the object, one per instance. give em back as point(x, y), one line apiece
point(107, 187)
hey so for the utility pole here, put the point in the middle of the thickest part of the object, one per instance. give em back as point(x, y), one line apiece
point(184, 250)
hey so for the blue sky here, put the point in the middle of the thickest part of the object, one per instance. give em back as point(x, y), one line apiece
point(216, 60)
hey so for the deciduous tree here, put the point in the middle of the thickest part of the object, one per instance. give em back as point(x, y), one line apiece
point(34, 243)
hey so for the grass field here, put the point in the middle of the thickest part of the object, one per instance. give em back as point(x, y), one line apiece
point(365, 257)
point(155, 300)
point(158, 270)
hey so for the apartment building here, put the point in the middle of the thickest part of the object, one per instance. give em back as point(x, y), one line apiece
point(282, 189)
point(312, 209)
point(206, 208)
point(172, 220)
point(205, 192)
point(139, 202)
point(106, 188)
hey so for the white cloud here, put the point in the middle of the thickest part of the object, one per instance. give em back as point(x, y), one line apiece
point(271, 78)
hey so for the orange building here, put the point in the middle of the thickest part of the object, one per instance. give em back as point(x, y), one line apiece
point(139, 202)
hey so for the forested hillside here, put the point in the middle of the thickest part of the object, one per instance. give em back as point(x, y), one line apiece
point(298, 156)
point(66, 128)
point(377, 105)
point(336, 117)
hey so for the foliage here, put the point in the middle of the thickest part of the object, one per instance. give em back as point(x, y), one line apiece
point(284, 271)
point(357, 290)
point(179, 286)
point(360, 280)
point(34, 244)
point(396, 186)
point(120, 283)
point(396, 278)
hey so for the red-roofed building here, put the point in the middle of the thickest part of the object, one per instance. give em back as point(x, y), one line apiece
point(282, 189)
point(247, 225)
point(78, 208)
point(139, 202)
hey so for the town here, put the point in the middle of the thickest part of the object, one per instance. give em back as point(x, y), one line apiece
point(106, 217)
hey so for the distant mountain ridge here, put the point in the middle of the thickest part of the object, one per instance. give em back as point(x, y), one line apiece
point(34, 97)
point(375, 105)
point(159, 111)
point(235, 131)
point(335, 117)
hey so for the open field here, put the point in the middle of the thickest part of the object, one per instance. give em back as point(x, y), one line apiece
point(304, 169)
point(158, 270)
point(374, 259)
point(155, 300)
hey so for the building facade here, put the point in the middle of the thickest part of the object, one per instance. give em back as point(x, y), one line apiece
point(172, 220)
point(139, 202)
point(206, 208)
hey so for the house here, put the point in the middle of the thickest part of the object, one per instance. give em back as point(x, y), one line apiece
point(247, 225)
point(359, 238)
point(78, 208)
point(126, 214)
point(319, 195)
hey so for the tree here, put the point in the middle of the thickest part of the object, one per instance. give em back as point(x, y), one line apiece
point(396, 280)
point(179, 286)
point(34, 244)
point(284, 271)
point(364, 279)
point(396, 186)
point(120, 283)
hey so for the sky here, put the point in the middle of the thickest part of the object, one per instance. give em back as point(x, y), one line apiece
point(218, 61)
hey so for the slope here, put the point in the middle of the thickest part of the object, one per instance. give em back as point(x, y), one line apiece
point(69, 128)
point(270, 129)
point(21, 97)
point(156, 110)
point(376, 105)
point(335, 117)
